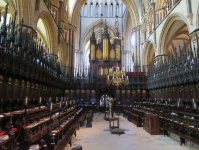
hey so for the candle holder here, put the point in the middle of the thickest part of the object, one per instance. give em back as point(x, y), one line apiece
point(110, 100)
point(26, 103)
point(40, 102)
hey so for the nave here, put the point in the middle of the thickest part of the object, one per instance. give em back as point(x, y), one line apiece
point(135, 138)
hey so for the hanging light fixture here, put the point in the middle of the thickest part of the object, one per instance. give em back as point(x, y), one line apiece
point(118, 77)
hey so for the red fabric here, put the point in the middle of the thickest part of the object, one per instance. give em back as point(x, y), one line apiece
point(14, 129)
point(27, 124)
point(5, 131)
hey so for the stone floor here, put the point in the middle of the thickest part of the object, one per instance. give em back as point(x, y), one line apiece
point(96, 138)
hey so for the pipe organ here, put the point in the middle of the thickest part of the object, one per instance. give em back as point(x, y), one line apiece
point(104, 55)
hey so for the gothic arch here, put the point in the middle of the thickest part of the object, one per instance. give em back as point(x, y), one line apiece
point(97, 24)
point(162, 47)
point(128, 24)
point(148, 53)
point(50, 30)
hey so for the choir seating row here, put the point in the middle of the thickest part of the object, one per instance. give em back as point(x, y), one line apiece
point(181, 121)
point(43, 125)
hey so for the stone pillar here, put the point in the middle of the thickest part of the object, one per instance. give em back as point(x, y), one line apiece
point(88, 10)
point(135, 52)
point(138, 46)
point(96, 11)
point(170, 4)
point(92, 11)
point(109, 9)
point(154, 21)
point(85, 10)
point(82, 10)
point(120, 10)
point(101, 9)
point(130, 59)
point(104, 10)
point(114, 10)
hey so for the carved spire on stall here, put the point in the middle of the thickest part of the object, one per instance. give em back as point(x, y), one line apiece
point(3, 27)
point(93, 34)
point(105, 27)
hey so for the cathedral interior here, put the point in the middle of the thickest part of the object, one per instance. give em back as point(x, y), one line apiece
point(99, 74)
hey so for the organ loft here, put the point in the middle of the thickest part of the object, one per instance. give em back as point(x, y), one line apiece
point(105, 55)
point(99, 74)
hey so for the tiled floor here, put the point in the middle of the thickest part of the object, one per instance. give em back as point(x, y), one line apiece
point(135, 139)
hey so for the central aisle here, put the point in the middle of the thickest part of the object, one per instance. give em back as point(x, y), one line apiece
point(96, 138)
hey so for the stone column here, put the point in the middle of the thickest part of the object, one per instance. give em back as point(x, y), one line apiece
point(120, 10)
point(135, 52)
point(130, 59)
point(138, 44)
point(101, 9)
point(170, 4)
point(109, 9)
point(96, 11)
point(85, 10)
point(114, 10)
point(82, 10)
point(104, 10)
point(154, 21)
point(92, 11)
point(88, 10)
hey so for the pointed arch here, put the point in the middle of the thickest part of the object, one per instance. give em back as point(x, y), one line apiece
point(50, 30)
point(97, 25)
point(162, 46)
point(148, 54)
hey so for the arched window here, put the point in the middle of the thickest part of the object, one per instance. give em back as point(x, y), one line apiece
point(85, 9)
point(97, 10)
point(117, 9)
point(106, 10)
point(132, 39)
point(111, 9)
point(91, 10)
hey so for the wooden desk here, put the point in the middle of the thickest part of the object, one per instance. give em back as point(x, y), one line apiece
point(152, 124)
point(113, 119)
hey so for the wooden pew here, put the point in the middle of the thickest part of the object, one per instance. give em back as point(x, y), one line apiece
point(68, 137)
point(136, 119)
point(81, 119)
point(89, 120)
point(181, 130)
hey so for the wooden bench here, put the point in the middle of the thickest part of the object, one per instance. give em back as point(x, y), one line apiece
point(81, 119)
point(89, 120)
point(136, 119)
point(68, 137)
point(183, 137)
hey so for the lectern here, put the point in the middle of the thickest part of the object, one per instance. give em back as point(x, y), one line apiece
point(152, 124)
